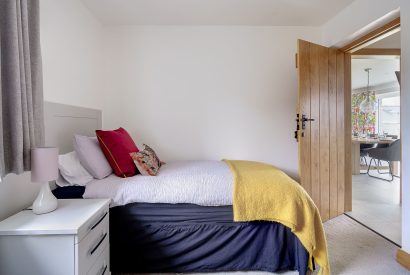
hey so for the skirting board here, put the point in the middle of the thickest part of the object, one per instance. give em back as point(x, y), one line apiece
point(403, 258)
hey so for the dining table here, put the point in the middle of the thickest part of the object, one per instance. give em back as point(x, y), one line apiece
point(356, 141)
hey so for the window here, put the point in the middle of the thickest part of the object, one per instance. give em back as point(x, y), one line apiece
point(389, 115)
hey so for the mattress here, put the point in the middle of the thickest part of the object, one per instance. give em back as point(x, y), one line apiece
point(150, 238)
point(206, 183)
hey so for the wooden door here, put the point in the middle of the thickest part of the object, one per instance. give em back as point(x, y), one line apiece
point(324, 127)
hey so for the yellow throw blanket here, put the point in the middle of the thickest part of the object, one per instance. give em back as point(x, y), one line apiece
point(265, 193)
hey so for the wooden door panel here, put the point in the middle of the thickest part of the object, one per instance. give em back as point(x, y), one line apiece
point(323, 144)
point(314, 125)
point(348, 132)
point(340, 122)
point(324, 121)
point(333, 184)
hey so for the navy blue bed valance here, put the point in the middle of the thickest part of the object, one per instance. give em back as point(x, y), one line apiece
point(147, 238)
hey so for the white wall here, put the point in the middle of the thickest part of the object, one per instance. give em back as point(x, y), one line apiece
point(207, 92)
point(72, 51)
point(347, 25)
point(72, 69)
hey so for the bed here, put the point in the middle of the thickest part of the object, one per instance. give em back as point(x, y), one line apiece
point(192, 231)
point(159, 237)
point(162, 233)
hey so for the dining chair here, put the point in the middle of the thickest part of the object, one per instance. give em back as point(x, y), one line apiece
point(389, 154)
point(384, 145)
point(364, 148)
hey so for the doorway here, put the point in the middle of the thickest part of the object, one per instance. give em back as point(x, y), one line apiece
point(323, 119)
point(376, 148)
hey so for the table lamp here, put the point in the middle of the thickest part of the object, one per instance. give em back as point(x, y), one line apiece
point(44, 168)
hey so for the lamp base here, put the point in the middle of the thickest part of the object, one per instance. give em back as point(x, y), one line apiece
point(45, 201)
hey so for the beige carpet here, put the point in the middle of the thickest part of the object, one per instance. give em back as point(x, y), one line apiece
point(353, 249)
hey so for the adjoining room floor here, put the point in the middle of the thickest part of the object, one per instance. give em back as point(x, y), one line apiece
point(376, 204)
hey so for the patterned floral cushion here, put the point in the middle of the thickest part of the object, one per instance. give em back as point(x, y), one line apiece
point(147, 161)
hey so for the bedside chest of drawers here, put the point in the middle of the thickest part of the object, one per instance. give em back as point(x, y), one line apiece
point(72, 240)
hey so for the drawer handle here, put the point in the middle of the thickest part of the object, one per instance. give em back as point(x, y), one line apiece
point(99, 221)
point(104, 269)
point(98, 244)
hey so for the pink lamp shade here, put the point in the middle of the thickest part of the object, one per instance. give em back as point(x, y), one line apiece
point(44, 164)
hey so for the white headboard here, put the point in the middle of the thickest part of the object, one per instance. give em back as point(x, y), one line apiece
point(62, 122)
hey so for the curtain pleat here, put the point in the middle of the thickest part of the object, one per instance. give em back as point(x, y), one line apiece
point(22, 119)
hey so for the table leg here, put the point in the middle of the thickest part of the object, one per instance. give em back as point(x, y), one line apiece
point(355, 158)
point(395, 168)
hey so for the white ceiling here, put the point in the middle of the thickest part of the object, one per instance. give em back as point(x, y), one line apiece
point(390, 42)
point(216, 12)
point(383, 67)
point(383, 71)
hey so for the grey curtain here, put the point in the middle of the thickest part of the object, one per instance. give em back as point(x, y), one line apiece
point(21, 87)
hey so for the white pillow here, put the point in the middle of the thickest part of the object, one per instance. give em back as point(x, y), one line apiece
point(72, 170)
point(60, 181)
point(91, 156)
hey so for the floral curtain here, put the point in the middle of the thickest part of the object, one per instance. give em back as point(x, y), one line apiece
point(362, 123)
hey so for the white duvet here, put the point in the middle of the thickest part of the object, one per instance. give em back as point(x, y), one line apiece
point(207, 183)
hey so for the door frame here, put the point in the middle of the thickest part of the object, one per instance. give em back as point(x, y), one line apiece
point(376, 52)
point(356, 48)
point(373, 36)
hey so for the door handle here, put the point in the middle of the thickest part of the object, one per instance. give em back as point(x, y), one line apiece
point(304, 120)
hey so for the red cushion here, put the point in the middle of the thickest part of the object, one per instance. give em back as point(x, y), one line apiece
point(117, 146)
